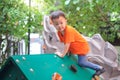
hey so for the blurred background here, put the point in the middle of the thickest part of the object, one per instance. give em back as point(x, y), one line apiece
point(21, 22)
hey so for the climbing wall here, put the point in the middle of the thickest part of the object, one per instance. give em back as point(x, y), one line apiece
point(43, 66)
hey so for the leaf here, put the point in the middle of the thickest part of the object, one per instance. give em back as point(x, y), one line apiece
point(75, 1)
point(67, 2)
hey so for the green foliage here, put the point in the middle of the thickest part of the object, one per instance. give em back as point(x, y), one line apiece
point(88, 16)
point(14, 16)
point(15, 19)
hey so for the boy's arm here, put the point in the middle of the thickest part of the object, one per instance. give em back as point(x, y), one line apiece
point(66, 48)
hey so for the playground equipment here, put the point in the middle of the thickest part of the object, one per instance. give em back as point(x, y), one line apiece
point(101, 52)
point(56, 76)
point(105, 54)
point(51, 40)
point(43, 66)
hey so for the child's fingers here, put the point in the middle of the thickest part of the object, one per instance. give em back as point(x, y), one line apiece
point(59, 54)
point(93, 79)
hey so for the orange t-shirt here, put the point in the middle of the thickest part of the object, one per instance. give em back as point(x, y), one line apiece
point(78, 45)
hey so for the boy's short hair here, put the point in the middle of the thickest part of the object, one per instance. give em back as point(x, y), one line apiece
point(57, 14)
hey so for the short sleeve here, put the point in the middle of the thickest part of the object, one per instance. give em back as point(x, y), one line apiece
point(69, 35)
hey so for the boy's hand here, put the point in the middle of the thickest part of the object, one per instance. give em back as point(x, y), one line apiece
point(59, 54)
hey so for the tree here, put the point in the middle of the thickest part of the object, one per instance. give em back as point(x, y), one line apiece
point(93, 16)
point(14, 16)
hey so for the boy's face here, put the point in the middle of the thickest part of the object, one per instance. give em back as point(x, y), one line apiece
point(60, 23)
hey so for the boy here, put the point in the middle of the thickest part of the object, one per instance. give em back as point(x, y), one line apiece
point(73, 41)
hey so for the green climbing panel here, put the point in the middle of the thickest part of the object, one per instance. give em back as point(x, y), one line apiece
point(42, 67)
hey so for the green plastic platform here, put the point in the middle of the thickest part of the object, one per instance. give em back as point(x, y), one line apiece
point(42, 67)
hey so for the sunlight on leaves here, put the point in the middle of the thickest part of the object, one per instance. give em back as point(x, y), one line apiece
point(67, 2)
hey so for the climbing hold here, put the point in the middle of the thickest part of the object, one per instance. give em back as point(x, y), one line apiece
point(62, 65)
point(56, 76)
point(31, 70)
point(23, 58)
point(17, 61)
point(73, 68)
